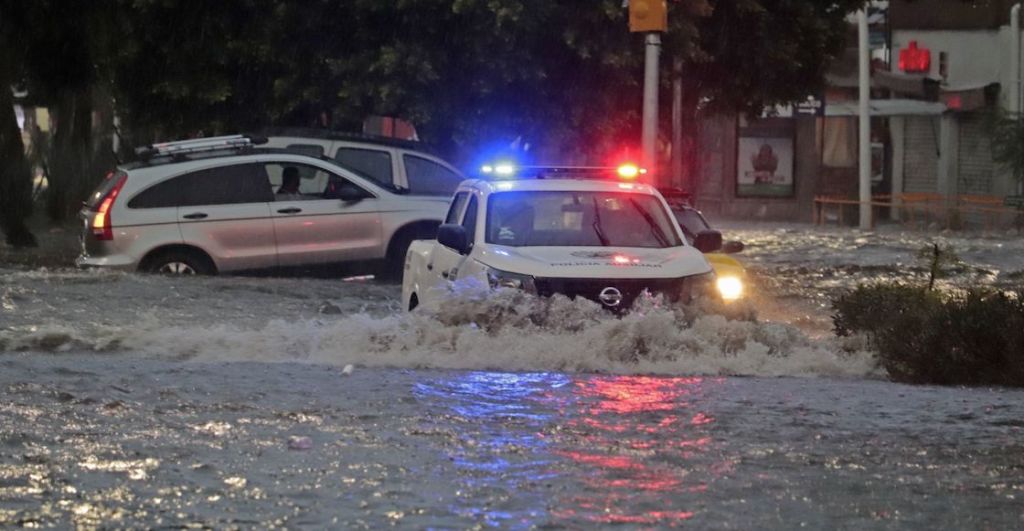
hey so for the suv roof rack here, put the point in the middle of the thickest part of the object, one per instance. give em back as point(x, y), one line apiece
point(179, 150)
point(327, 134)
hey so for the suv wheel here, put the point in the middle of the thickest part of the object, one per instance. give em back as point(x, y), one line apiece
point(179, 263)
point(394, 264)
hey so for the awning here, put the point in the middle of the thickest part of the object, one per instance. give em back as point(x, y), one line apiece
point(886, 108)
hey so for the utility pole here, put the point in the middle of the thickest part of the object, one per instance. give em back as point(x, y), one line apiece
point(650, 117)
point(864, 159)
point(677, 126)
point(651, 18)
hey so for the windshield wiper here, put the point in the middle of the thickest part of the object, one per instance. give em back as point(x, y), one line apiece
point(597, 225)
point(655, 229)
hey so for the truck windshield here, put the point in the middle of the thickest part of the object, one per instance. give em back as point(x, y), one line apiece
point(579, 219)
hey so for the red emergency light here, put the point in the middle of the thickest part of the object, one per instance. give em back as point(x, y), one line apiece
point(914, 59)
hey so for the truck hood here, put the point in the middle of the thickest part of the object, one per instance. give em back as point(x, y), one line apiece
point(596, 262)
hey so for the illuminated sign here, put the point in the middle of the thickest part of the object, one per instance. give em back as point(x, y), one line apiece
point(914, 59)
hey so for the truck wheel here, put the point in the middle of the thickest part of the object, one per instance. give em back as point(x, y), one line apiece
point(179, 263)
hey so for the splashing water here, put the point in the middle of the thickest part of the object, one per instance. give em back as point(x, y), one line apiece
point(506, 330)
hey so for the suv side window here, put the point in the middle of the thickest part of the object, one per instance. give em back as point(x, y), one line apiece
point(314, 183)
point(427, 177)
point(456, 208)
point(469, 220)
point(224, 185)
point(372, 163)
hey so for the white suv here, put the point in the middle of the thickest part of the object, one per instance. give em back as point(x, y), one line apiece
point(218, 205)
point(392, 162)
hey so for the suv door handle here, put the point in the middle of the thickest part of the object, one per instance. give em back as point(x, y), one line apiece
point(292, 210)
point(197, 215)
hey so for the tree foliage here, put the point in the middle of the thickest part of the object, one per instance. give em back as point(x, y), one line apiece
point(468, 73)
point(752, 53)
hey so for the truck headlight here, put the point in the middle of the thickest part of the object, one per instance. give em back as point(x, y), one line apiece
point(730, 288)
point(505, 279)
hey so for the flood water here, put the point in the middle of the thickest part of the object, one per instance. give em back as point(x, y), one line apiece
point(138, 401)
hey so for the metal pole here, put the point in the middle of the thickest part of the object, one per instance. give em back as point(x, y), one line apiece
point(677, 127)
point(864, 160)
point(1014, 102)
point(650, 116)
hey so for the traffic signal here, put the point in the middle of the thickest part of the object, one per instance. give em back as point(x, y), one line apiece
point(648, 15)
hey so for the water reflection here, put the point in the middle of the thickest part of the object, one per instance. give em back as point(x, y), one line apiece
point(639, 446)
point(500, 419)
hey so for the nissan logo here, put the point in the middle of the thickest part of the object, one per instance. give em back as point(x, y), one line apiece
point(610, 297)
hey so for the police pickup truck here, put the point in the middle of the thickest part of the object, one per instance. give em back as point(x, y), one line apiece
point(580, 232)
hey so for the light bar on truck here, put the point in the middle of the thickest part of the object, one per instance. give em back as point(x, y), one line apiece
point(626, 172)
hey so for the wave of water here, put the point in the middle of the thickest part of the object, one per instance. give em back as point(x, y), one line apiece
point(504, 331)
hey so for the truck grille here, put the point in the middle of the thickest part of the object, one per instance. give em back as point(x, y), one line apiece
point(592, 288)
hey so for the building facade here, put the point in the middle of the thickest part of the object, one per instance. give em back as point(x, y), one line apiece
point(940, 69)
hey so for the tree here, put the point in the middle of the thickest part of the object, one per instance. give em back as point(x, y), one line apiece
point(468, 73)
point(742, 55)
point(15, 173)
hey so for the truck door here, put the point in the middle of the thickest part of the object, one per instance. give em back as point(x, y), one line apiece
point(446, 262)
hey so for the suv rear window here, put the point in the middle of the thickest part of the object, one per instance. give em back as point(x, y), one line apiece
point(103, 189)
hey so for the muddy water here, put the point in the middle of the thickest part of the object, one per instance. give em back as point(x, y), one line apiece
point(136, 401)
point(118, 442)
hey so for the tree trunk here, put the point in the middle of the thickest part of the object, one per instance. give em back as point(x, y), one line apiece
point(70, 177)
point(15, 174)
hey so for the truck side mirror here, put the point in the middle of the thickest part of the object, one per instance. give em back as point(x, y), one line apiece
point(708, 241)
point(454, 237)
point(732, 247)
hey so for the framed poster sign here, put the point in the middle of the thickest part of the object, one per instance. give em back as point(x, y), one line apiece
point(765, 167)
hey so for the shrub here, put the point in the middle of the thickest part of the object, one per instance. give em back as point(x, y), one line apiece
point(922, 336)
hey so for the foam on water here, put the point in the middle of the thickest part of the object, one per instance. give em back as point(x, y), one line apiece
point(507, 330)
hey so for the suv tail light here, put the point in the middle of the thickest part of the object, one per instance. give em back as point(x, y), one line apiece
point(101, 227)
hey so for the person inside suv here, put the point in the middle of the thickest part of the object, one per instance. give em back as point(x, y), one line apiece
point(289, 190)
